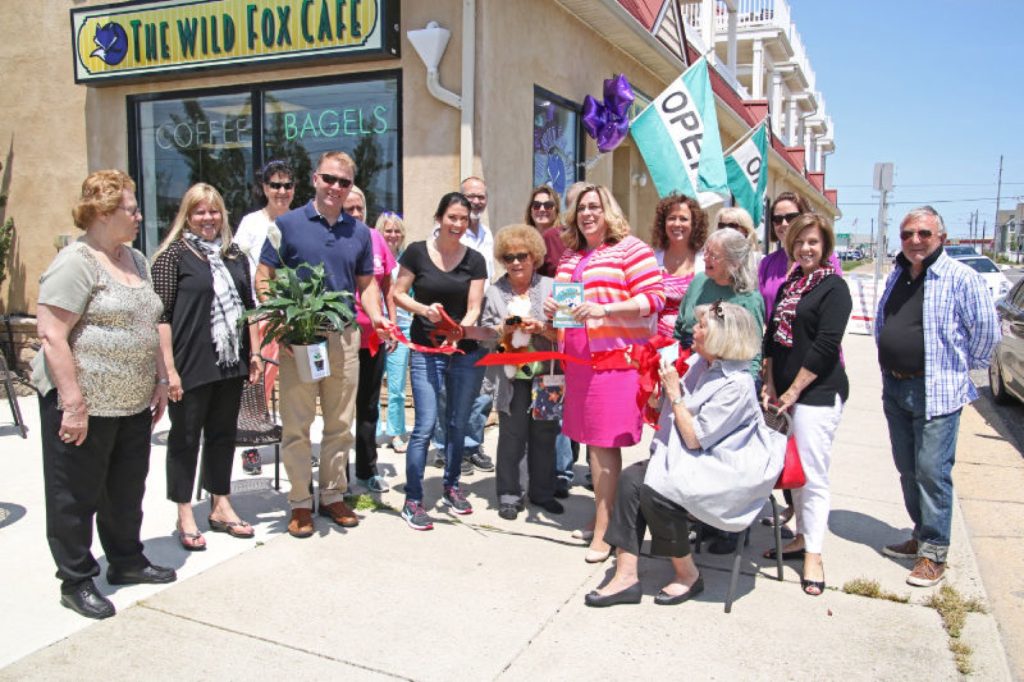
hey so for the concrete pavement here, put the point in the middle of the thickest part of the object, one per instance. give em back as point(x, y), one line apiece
point(484, 598)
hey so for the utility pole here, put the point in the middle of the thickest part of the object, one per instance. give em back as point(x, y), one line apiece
point(997, 234)
point(984, 227)
point(883, 184)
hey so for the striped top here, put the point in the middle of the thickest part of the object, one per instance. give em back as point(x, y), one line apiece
point(618, 272)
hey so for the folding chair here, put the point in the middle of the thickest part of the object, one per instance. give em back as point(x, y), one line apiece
point(782, 423)
point(12, 398)
point(257, 425)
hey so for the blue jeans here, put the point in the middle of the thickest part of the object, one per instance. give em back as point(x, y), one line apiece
point(563, 456)
point(460, 380)
point(924, 452)
point(474, 433)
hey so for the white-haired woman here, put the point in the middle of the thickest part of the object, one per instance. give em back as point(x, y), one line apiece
point(712, 457)
point(203, 280)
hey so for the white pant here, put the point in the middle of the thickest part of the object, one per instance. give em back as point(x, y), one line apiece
point(814, 427)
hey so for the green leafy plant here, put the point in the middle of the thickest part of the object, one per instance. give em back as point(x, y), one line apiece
point(298, 309)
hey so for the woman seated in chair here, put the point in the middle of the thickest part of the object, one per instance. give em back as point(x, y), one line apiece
point(712, 456)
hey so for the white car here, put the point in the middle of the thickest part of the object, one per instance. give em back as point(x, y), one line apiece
point(998, 284)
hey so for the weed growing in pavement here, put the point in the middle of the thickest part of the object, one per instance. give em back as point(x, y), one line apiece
point(870, 588)
point(953, 609)
point(367, 502)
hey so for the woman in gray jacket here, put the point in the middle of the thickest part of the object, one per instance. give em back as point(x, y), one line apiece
point(527, 423)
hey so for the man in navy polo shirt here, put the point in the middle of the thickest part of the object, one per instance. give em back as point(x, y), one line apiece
point(322, 233)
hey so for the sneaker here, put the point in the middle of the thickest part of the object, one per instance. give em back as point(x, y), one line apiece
point(416, 516)
point(551, 506)
point(467, 467)
point(926, 573)
point(903, 550)
point(457, 502)
point(252, 463)
point(508, 511)
point(398, 445)
point(374, 484)
point(481, 461)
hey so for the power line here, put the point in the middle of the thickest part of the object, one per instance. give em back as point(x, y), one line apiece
point(935, 184)
point(916, 203)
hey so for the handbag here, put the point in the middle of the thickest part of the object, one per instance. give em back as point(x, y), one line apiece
point(546, 395)
point(792, 475)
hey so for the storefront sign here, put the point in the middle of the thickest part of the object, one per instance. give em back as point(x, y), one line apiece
point(135, 39)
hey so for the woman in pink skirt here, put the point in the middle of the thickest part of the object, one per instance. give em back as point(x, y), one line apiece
point(622, 295)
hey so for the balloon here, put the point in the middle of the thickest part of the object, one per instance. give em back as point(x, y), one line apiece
point(608, 122)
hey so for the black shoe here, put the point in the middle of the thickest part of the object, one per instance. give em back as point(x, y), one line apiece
point(665, 599)
point(251, 462)
point(630, 595)
point(561, 488)
point(314, 461)
point(508, 511)
point(467, 467)
point(436, 457)
point(725, 544)
point(551, 506)
point(85, 600)
point(135, 576)
point(481, 461)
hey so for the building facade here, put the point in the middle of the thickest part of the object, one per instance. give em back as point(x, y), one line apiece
point(177, 92)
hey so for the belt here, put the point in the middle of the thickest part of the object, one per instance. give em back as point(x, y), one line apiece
point(903, 376)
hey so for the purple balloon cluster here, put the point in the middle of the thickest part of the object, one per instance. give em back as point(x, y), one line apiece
point(608, 122)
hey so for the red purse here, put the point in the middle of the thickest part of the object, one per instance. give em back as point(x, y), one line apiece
point(792, 475)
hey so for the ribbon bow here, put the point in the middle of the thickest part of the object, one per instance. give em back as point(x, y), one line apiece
point(607, 122)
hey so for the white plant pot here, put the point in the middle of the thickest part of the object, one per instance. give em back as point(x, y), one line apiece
point(311, 362)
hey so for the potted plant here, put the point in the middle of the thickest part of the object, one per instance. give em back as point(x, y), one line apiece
point(298, 311)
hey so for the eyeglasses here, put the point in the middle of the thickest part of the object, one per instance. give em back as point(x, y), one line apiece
point(907, 235)
point(546, 205)
point(785, 217)
point(332, 180)
point(281, 185)
point(708, 255)
point(513, 257)
point(131, 211)
point(734, 226)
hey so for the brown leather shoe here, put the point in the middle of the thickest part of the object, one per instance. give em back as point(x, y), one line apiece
point(926, 573)
point(301, 525)
point(340, 513)
point(903, 550)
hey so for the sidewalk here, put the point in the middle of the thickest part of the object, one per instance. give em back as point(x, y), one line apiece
point(484, 598)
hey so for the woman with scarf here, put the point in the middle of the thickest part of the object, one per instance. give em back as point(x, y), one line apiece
point(203, 280)
point(803, 373)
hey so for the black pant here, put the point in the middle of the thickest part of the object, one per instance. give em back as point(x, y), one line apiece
point(520, 435)
point(637, 507)
point(103, 477)
point(371, 373)
point(209, 411)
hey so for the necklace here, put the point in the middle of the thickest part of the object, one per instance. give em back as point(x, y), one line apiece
point(673, 263)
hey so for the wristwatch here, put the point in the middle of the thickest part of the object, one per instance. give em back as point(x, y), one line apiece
point(676, 401)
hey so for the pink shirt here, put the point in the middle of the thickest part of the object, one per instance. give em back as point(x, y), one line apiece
point(383, 263)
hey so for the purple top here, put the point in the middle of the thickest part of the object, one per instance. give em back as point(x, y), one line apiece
point(772, 271)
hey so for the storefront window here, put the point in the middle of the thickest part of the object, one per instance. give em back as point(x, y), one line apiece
point(360, 118)
point(185, 141)
point(556, 141)
point(213, 138)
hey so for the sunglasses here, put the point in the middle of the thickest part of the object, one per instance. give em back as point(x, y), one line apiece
point(513, 257)
point(332, 180)
point(547, 205)
point(785, 217)
point(280, 185)
point(716, 308)
point(907, 235)
point(734, 226)
point(391, 214)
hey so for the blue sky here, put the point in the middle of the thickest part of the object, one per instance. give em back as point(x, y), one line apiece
point(935, 87)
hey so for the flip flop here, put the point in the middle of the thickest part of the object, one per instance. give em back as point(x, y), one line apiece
point(191, 542)
point(232, 528)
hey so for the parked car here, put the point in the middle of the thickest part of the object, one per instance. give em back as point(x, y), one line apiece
point(1006, 370)
point(998, 284)
point(959, 250)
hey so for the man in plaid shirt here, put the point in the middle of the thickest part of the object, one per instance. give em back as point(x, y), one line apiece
point(935, 322)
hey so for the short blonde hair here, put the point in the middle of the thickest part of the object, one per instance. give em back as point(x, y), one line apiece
point(618, 228)
point(195, 195)
point(733, 334)
point(340, 157)
point(102, 194)
point(388, 218)
point(526, 235)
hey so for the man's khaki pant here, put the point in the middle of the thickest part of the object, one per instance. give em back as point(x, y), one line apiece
point(338, 405)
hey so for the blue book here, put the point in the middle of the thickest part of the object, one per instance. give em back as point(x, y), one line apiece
point(567, 295)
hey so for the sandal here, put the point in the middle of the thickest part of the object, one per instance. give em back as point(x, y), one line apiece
point(808, 585)
point(236, 529)
point(191, 542)
point(786, 556)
